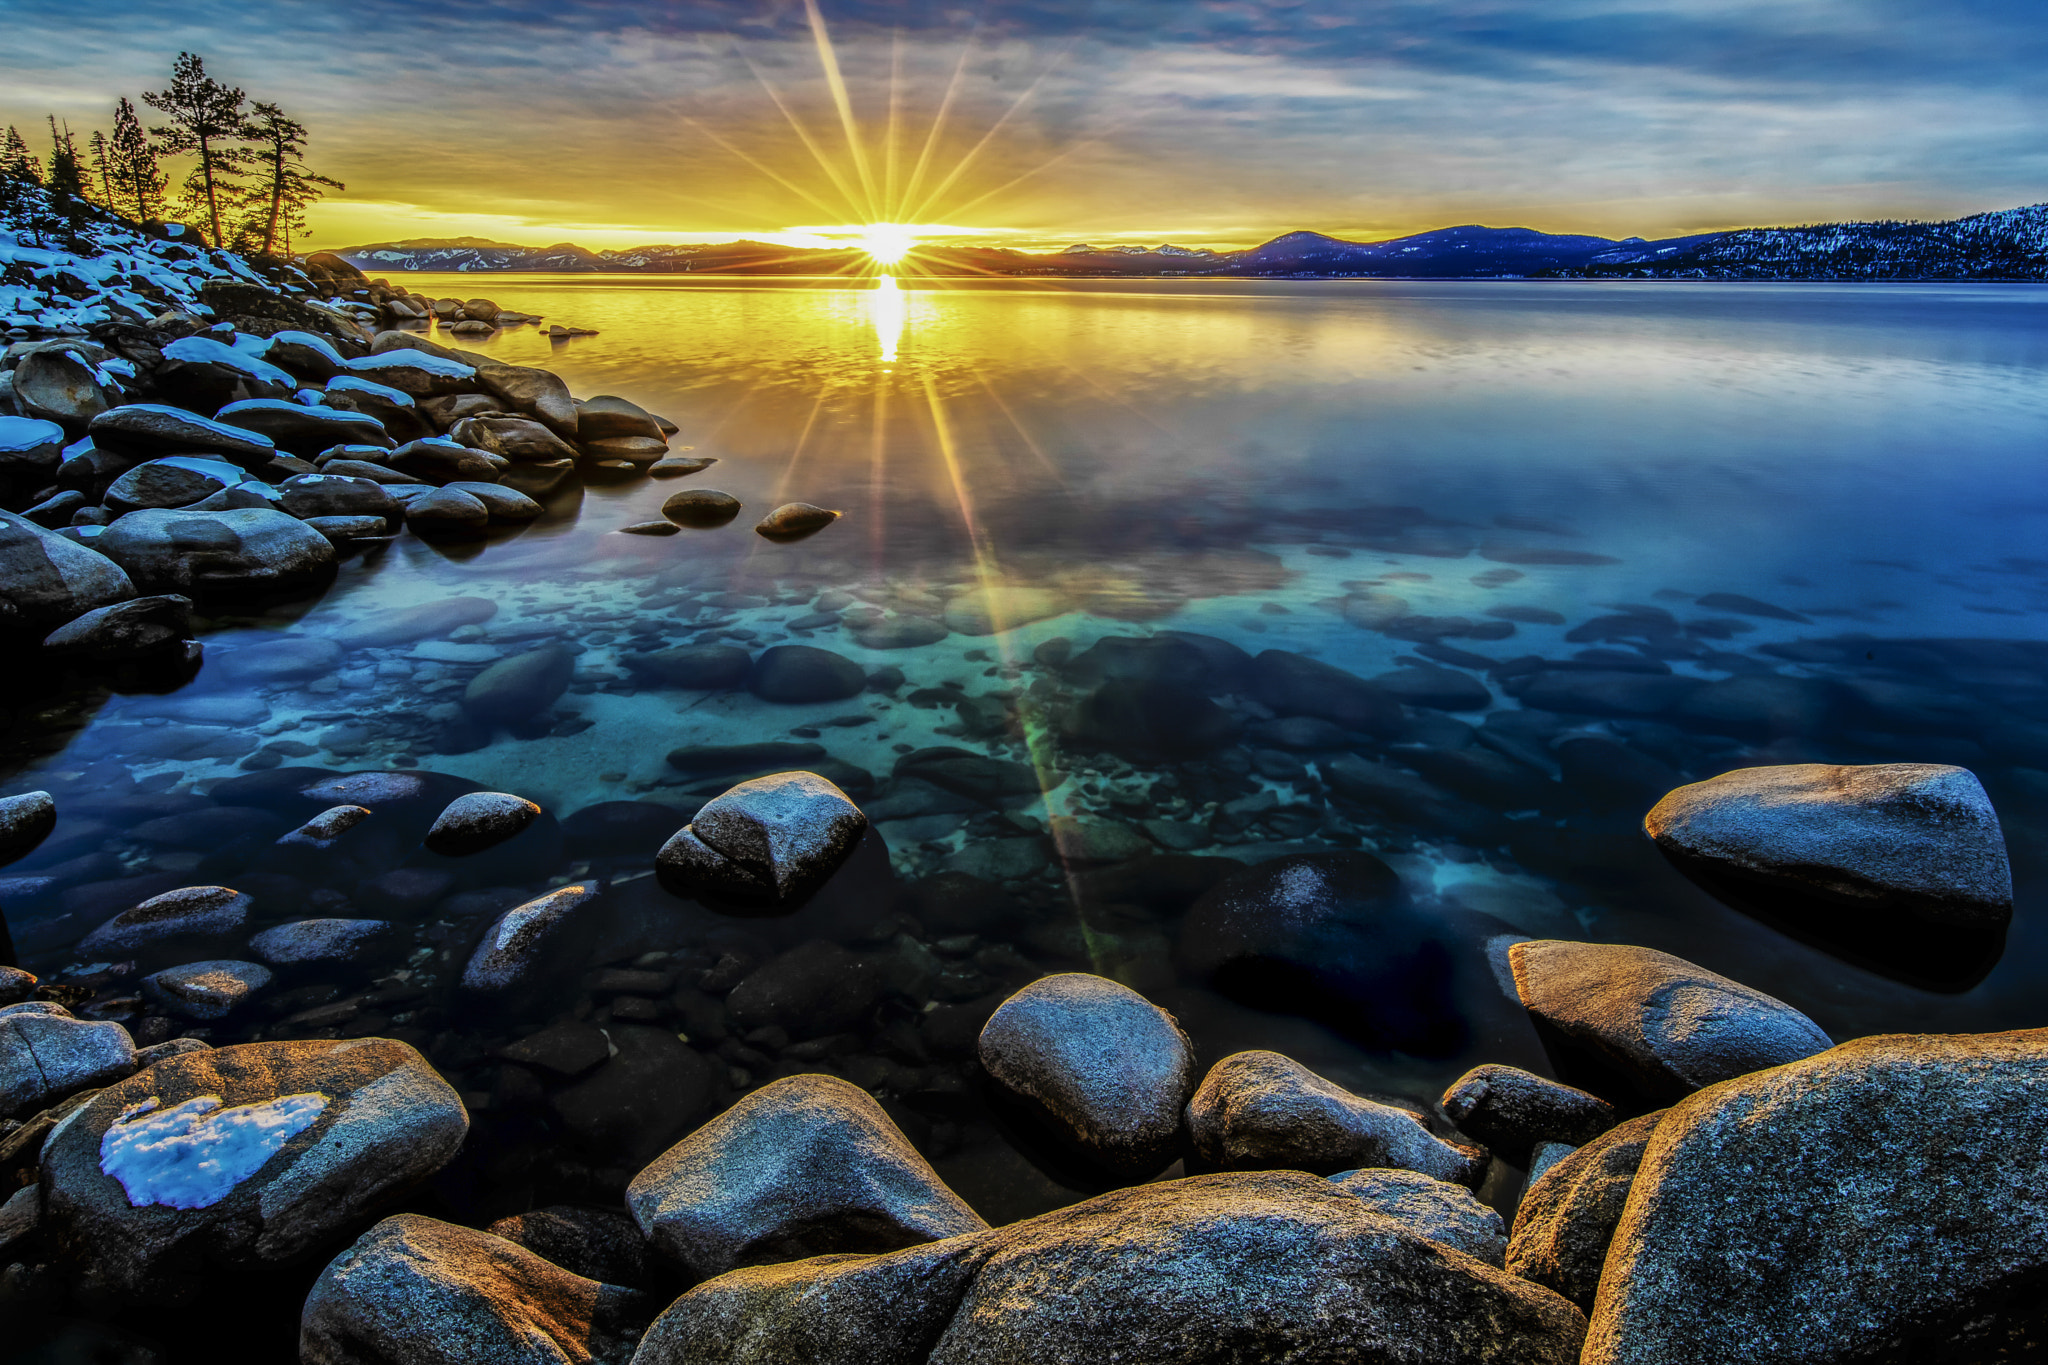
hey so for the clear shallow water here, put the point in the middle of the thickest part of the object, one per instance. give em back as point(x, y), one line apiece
point(1264, 463)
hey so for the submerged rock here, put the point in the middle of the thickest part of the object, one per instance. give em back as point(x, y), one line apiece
point(513, 689)
point(189, 911)
point(1918, 840)
point(1882, 1200)
point(770, 841)
point(528, 944)
point(479, 820)
point(1104, 1067)
point(1668, 1026)
point(795, 674)
point(1260, 1111)
point(710, 667)
point(305, 1141)
point(806, 1166)
point(310, 942)
point(416, 1291)
point(205, 990)
point(1295, 685)
point(1567, 1215)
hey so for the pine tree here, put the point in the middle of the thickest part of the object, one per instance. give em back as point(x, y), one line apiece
point(103, 168)
point(21, 188)
point(277, 205)
point(18, 165)
point(137, 178)
point(66, 183)
point(205, 118)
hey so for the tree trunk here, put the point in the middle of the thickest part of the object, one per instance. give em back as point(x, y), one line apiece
point(276, 201)
point(212, 197)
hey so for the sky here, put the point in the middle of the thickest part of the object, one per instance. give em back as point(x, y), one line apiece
point(1041, 123)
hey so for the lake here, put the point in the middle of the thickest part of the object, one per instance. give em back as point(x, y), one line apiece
point(1498, 493)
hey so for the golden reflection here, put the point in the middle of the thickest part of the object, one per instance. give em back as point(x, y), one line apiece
point(885, 313)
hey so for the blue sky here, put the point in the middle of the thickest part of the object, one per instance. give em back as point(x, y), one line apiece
point(1113, 120)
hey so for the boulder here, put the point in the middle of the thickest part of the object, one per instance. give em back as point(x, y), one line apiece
point(47, 580)
point(606, 416)
point(1105, 1069)
point(599, 1244)
point(1432, 1208)
point(417, 373)
point(241, 1156)
point(143, 431)
point(194, 554)
point(1295, 685)
point(538, 393)
point(403, 625)
point(1917, 840)
point(479, 820)
point(1885, 1200)
point(651, 1088)
point(436, 460)
point(796, 674)
point(1277, 1265)
point(504, 504)
point(1667, 1026)
point(416, 1291)
point(141, 628)
point(206, 991)
point(1260, 1111)
point(58, 386)
point(189, 912)
point(47, 1056)
point(516, 438)
point(26, 820)
point(336, 495)
point(529, 945)
point(794, 521)
point(812, 991)
point(30, 450)
point(805, 1166)
point(307, 355)
point(301, 430)
point(448, 512)
point(513, 689)
point(325, 942)
point(713, 668)
point(1512, 1110)
point(1567, 1215)
point(286, 659)
point(637, 452)
point(703, 508)
point(771, 841)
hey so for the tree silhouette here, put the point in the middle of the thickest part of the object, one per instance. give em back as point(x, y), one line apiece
point(103, 167)
point(206, 118)
point(279, 202)
point(21, 176)
point(137, 178)
point(66, 182)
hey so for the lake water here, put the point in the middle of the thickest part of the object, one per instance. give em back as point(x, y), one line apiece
point(1453, 481)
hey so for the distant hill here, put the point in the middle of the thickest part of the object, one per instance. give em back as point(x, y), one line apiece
point(2011, 244)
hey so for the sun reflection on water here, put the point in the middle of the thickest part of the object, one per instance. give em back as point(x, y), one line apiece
point(885, 314)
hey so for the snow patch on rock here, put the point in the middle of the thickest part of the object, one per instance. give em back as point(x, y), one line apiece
point(191, 1155)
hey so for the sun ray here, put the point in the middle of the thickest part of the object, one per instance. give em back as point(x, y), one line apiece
point(828, 57)
point(974, 153)
point(832, 173)
point(938, 125)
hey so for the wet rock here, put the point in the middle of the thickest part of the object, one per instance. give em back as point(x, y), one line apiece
point(1567, 1216)
point(48, 1056)
point(515, 688)
point(1512, 1111)
point(650, 528)
point(701, 507)
point(599, 1244)
point(1668, 1026)
point(991, 781)
point(1106, 1069)
point(324, 942)
point(1332, 936)
point(172, 481)
point(826, 1310)
point(769, 841)
point(447, 512)
point(813, 990)
point(797, 674)
point(1154, 718)
point(324, 829)
point(189, 912)
point(633, 453)
point(794, 521)
point(25, 821)
point(538, 393)
point(507, 506)
point(307, 1139)
point(1596, 692)
point(344, 530)
point(403, 625)
point(58, 386)
point(46, 580)
point(416, 1291)
point(713, 668)
point(1763, 706)
point(252, 550)
point(1432, 1208)
point(333, 495)
point(516, 438)
point(1879, 1201)
point(436, 460)
point(139, 629)
point(1294, 685)
point(806, 1166)
point(1277, 1265)
point(206, 990)
point(143, 431)
point(1440, 689)
point(606, 416)
point(899, 632)
point(479, 820)
point(529, 945)
point(1260, 1111)
point(678, 466)
point(301, 430)
point(281, 660)
point(1913, 839)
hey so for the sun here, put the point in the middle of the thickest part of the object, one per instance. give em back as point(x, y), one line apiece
point(886, 244)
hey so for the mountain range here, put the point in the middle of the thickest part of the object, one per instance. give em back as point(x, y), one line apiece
point(2010, 244)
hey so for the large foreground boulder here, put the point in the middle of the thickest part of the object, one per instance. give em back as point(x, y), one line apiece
point(417, 1291)
point(807, 1166)
point(46, 580)
point(240, 1156)
point(1668, 1026)
point(1106, 1069)
point(1260, 1110)
point(46, 1055)
point(1567, 1215)
point(246, 550)
point(1886, 1200)
point(1213, 1270)
point(768, 842)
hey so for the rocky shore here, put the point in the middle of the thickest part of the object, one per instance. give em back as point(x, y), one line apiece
point(937, 1056)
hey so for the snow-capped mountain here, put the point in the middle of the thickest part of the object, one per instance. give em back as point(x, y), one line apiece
point(2010, 244)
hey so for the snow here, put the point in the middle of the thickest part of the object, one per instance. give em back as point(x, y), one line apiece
point(19, 435)
point(307, 340)
point(200, 464)
point(192, 1155)
point(348, 383)
point(407, 358)
point(201, 351)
